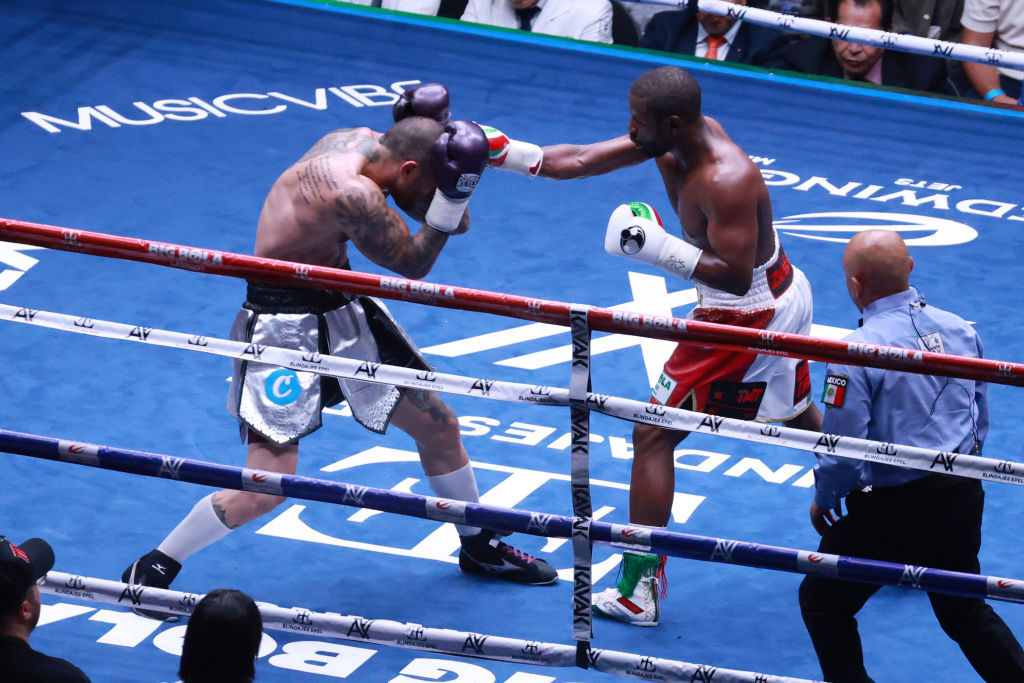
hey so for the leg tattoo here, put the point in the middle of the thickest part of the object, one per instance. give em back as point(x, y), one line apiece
point(430, 403)
point(222, 515)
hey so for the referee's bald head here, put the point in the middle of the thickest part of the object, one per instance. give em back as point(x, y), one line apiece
point(877, 264)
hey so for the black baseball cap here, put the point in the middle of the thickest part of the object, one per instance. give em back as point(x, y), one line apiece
point(20, 567)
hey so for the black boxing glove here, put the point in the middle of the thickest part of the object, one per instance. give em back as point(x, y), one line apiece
point(427, 99)
point(459, 157)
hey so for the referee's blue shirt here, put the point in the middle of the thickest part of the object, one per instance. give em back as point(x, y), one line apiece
point(900, 407)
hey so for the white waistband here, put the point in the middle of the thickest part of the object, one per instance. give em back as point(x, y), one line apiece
point(758, 296)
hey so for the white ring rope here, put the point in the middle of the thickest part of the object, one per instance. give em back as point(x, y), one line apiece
point(929, 460)
point(406, 635)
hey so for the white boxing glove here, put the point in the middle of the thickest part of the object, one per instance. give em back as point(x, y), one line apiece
point(513, 155)
point(635, 232)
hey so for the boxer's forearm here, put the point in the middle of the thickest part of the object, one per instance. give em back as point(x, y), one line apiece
point(566, 161)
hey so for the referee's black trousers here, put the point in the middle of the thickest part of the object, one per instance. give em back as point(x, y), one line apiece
point(930, 522)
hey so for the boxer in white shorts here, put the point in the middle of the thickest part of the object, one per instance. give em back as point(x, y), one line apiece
point(735, 382)
point(730, 251)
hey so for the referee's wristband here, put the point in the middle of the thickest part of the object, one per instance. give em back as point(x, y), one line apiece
point(993, 93)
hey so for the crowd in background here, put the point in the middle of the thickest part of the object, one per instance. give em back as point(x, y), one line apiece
point(983, 23)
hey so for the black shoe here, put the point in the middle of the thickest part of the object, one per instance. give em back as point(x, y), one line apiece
point(486, 555)
point(152, 569)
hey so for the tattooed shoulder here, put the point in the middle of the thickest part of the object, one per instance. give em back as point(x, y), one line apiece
point(346, 141)
point(360, 202)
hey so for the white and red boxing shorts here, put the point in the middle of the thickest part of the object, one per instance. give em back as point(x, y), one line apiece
point(738, 383)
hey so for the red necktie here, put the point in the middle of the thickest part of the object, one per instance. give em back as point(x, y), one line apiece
point(713, 43)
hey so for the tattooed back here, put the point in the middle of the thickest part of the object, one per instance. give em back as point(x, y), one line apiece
point(315, 206)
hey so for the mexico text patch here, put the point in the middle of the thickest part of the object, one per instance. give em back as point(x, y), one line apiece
point(835, 390)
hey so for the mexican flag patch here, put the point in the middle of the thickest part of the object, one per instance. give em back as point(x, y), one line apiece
point(835, 390)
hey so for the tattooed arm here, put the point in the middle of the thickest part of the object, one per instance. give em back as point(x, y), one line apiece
point(380, 234)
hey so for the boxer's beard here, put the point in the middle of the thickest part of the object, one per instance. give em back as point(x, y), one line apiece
point(651, 147)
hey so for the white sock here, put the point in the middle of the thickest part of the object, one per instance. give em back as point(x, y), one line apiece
point(457, 485)
point(200, 528)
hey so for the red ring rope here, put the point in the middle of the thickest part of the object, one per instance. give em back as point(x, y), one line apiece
point(509, 305)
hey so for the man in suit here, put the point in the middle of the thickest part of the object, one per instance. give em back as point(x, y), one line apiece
point(855, 62)
point(451, 9)
point(580, 19)
point(713, 36)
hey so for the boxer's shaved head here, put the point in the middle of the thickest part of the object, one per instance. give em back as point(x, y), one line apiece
point(411, 138)
point(669, 91)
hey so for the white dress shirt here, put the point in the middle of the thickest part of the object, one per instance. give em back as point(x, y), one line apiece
point(580, 19)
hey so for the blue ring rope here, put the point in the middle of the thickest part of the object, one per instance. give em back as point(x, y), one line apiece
point(672, 543)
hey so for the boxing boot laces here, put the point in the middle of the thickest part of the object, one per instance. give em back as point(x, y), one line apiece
point(634, 599)
point(484, 554)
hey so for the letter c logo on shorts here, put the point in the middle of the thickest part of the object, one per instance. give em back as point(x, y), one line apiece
point(282, 387)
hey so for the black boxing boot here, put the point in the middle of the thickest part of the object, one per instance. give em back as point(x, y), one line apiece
point(154, 569)
point(484, 554)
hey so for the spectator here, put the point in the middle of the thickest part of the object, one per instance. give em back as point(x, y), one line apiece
point(222, 639)
point(852, 61)
point(412, 6)
point(812, 9)
point(624, 26)
point(712, 36)
point(998, 24)
point(20, 568)
point(580, 19)
point(892, 511)
point(451, 9)
point(641, 13)
point(939, 19)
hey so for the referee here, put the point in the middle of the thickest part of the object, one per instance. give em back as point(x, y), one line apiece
point(891, 511)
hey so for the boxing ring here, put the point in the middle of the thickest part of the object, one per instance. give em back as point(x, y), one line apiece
point(193, 185)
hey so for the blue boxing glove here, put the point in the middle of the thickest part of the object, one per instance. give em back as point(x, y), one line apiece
point(427, 99)
point(459, 157)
